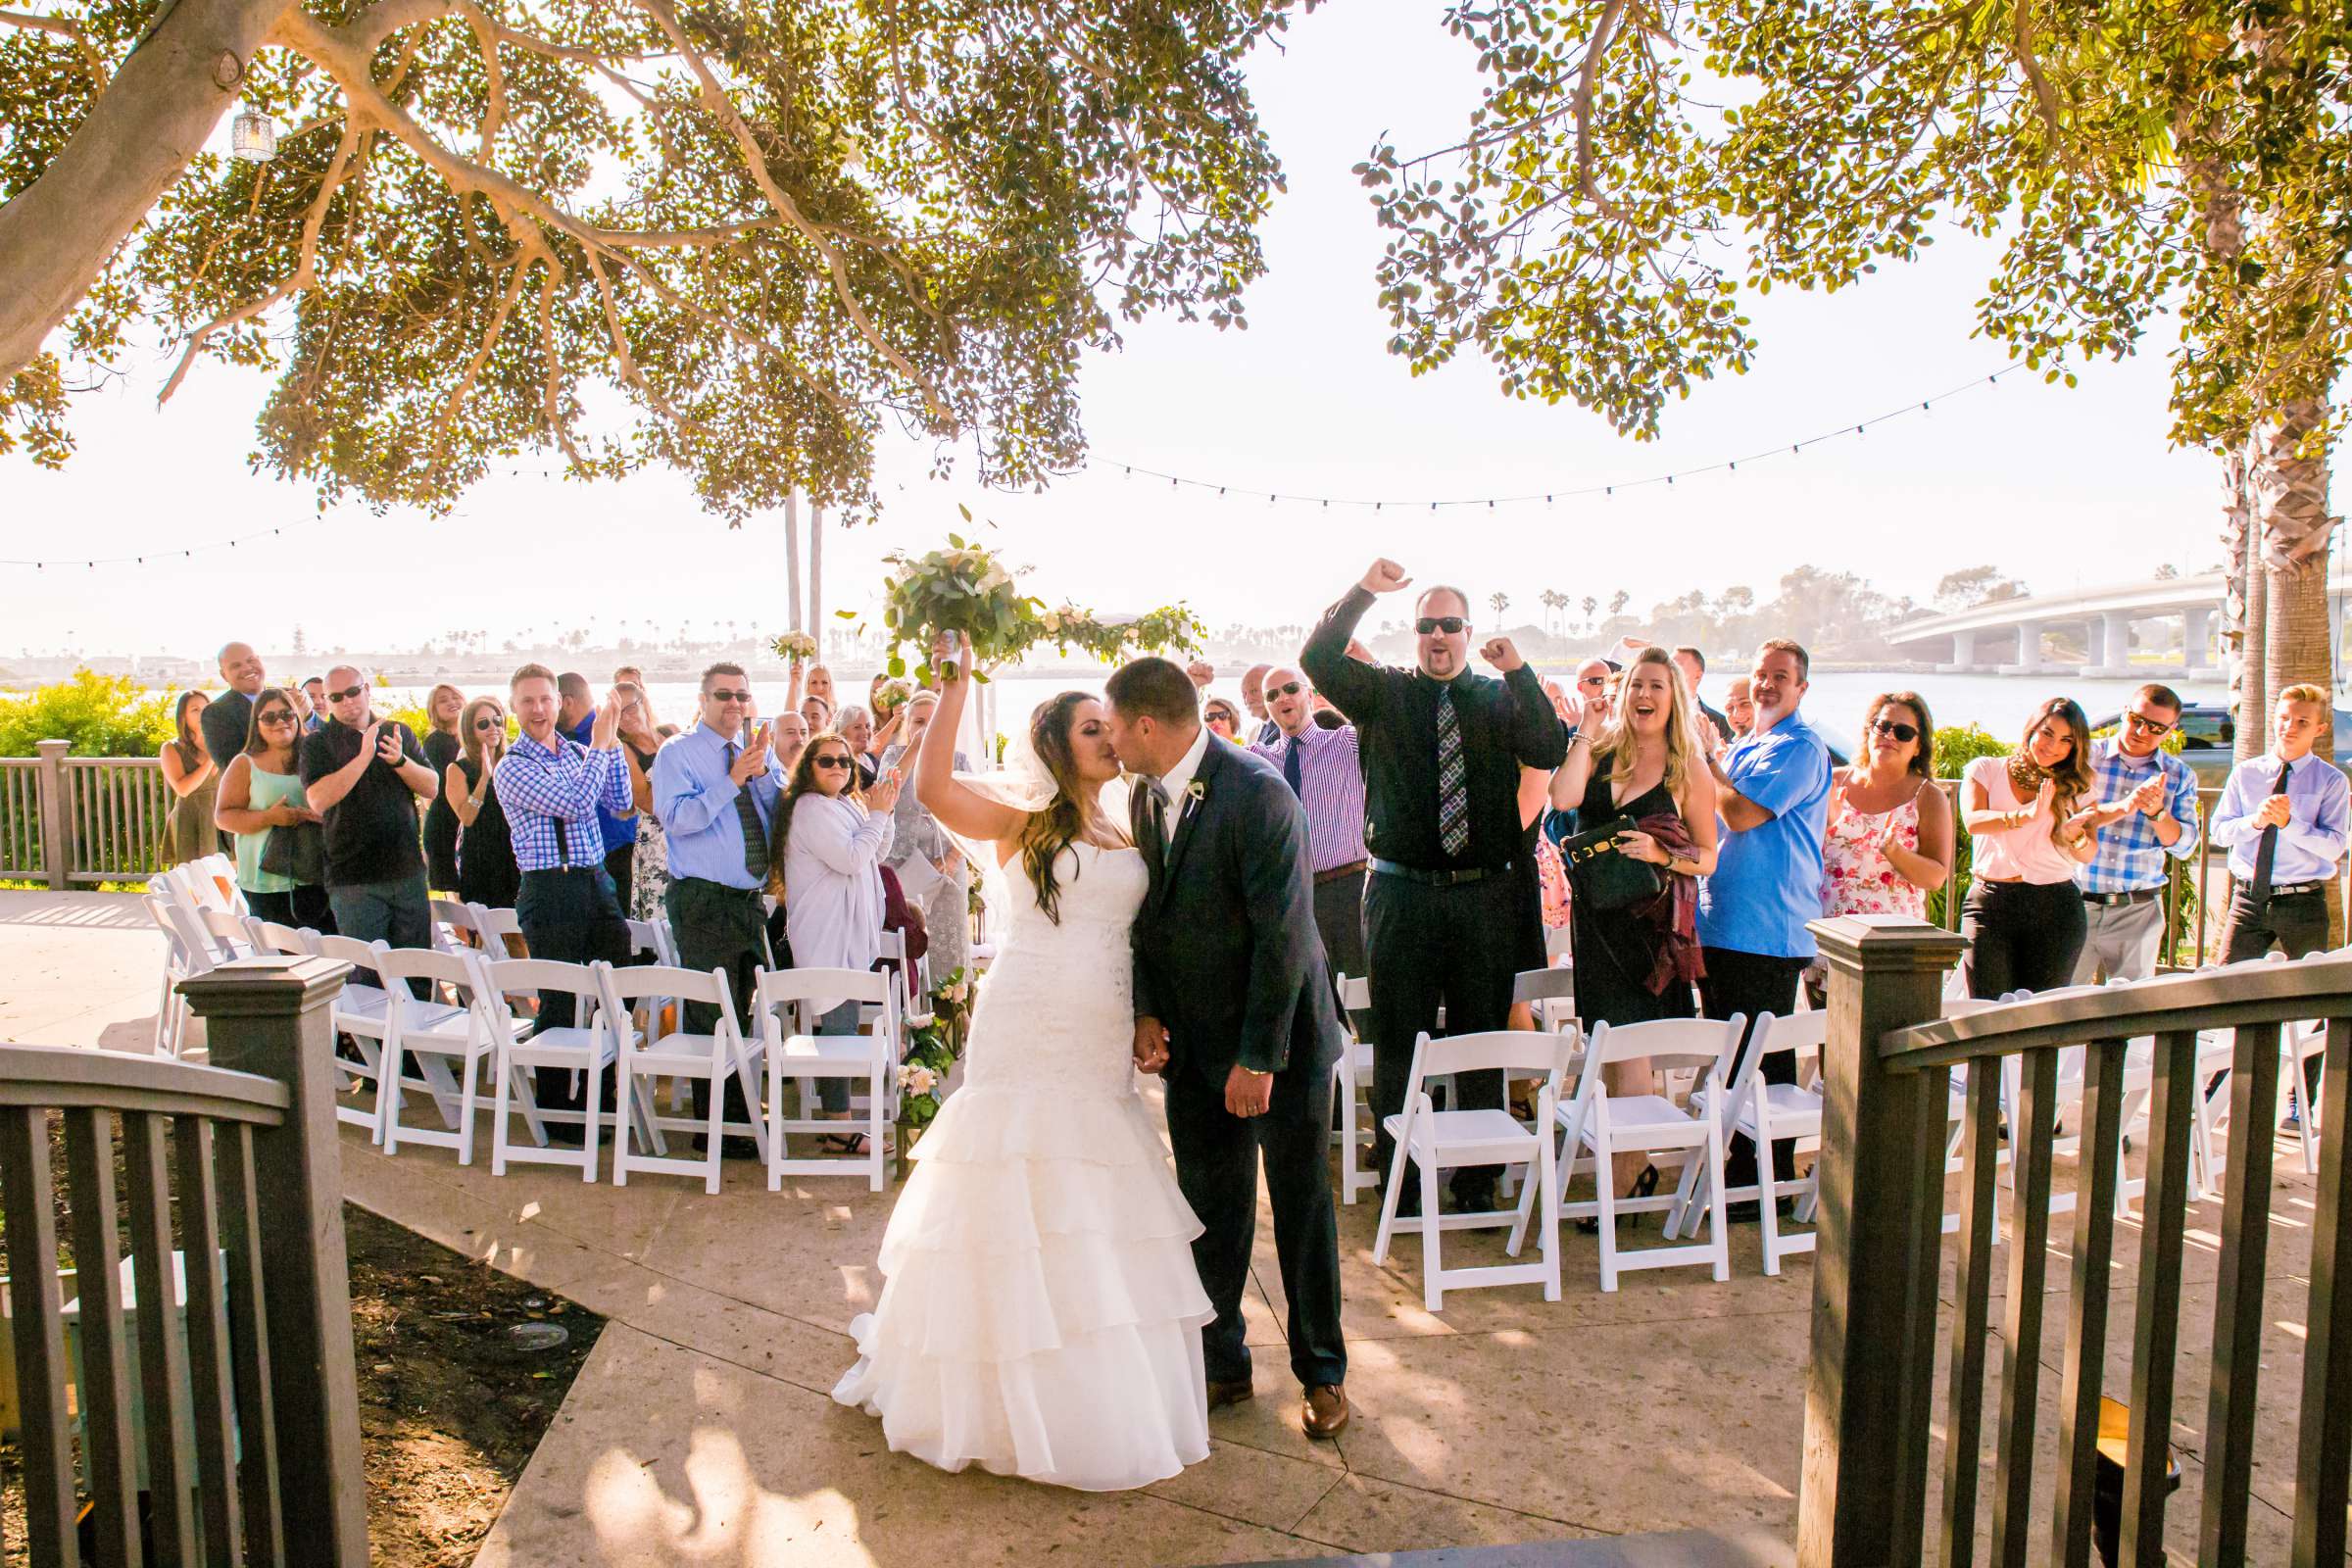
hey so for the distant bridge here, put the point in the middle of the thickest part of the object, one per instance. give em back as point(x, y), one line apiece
point(1978, 638)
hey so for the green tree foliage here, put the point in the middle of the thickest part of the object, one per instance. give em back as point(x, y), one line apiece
point(739, 239)
point(101, 716)
point(1633, 164)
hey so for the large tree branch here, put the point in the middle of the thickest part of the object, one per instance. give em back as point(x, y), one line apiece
point(57, 234)
point(331, 50)
point(755, 159)
point(306, 261)
point(1587, 77)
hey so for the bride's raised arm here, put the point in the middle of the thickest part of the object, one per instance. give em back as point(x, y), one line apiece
point(961, 811)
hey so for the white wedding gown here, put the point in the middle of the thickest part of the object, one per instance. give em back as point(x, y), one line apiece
point(1040, 1314)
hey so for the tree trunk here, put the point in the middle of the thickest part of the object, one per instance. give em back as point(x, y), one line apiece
point(59, 232)
point(2241, 630)
point(816, 578)
point(792, 559)
point(2290, 487)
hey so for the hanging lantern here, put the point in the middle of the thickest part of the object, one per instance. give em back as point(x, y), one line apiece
point(253, 136)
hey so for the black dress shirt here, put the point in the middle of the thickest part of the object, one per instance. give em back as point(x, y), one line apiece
point(1506, 724)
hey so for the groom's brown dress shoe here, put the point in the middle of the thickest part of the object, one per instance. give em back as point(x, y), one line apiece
point(1324, 1413)
point(1222, 1394)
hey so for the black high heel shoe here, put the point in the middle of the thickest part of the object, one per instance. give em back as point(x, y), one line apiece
point(1646, 1185)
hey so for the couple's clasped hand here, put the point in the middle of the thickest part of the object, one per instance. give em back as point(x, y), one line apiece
point(1246, 1094)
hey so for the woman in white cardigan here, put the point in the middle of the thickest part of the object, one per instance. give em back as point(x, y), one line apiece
point(834, 836)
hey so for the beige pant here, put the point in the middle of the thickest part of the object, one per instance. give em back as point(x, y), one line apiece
point(2122, 942)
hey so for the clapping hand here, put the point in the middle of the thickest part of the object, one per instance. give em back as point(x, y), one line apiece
point(1502, 654)
point(884, 795)
point(1384, 576)
point(2273, 812)
point(386, 741)
point(607, 729)
point(752, 761)
point(2148, 799)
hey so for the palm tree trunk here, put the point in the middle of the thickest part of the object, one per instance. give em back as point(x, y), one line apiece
point(2289, 488)
point(816, 577)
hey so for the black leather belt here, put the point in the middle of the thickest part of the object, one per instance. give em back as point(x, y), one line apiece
point(1439, 879)
point(2111, 900)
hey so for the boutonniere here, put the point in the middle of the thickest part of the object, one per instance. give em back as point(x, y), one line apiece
point(1196, 792)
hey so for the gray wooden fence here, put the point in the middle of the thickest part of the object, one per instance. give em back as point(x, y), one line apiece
point(73, 820)
point(250, 1416)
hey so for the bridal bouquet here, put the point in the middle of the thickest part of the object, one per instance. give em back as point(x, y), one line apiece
point(795, 646)
point(964, 588)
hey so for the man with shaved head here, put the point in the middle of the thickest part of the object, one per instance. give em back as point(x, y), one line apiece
point(228, 718)
point(1320, 766)
point(1441, 751)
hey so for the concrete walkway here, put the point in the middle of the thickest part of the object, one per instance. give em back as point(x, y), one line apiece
point(700, 1431)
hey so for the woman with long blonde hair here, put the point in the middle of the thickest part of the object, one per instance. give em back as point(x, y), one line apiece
point(485, 849)
point(1643, 774)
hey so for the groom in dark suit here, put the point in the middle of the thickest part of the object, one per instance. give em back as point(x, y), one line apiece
point(1233, 1007)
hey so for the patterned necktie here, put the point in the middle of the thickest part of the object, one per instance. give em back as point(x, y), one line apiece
point(2266, 853)
point(1453, 777)
point(1291, 773)
point(754, 836)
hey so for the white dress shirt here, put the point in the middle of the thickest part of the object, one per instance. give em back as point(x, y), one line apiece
point(1178, 778)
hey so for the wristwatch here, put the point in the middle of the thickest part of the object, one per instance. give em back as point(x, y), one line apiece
point(1253, 1072)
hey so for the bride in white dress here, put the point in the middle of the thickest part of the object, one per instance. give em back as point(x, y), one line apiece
point(1040, 1314)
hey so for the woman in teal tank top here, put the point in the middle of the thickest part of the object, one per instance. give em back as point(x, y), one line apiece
point(261, 791)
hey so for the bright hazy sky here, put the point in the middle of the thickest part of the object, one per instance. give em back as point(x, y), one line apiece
point(2059, 487)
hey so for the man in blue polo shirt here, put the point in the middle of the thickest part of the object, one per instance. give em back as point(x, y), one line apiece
point(1773, 794)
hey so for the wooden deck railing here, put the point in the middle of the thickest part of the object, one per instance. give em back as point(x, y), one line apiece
point(69, 821)
point(1872, 1402)
point(251, 1452)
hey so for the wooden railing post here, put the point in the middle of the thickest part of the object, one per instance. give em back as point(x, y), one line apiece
point(55, 814)
point(272, 1017)
point(1878, 1241)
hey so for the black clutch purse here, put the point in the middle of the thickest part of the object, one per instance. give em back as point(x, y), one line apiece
point(1600, 878)
point(296, 850)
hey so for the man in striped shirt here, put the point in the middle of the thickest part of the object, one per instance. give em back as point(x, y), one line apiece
point(1321, 765)
point(550, 786)
point(2147, 819)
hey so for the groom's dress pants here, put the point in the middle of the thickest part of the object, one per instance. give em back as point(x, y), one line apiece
point(1432, 946)
point(1218, 1156)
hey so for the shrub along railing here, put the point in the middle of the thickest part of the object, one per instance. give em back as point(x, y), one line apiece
point(69, 821)
point(252, 1438)
point(1871, 1401)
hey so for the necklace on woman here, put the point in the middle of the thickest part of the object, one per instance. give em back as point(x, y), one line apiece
point(2026, 776)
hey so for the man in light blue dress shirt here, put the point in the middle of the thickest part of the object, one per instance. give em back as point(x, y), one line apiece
point(715, 789)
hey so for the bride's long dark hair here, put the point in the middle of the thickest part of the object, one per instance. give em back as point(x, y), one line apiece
point(1062, 822)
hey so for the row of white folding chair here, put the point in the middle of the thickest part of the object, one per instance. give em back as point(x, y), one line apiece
point(795, 1050)
point(1434, 1140)
point(1597, 1126)
point(1763, 1112)
point(187, 952)
point(1351, 1070)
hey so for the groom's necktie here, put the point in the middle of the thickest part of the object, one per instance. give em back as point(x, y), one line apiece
point(1453, 777)
point(754, 833)
point(2266, 850)
point(1155, 816)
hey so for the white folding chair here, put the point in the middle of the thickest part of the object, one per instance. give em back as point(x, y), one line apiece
point(634, 999)
point(358, 1012)
point(652, 940)
point(586, 1046)
point(1437, 1139)
point(1550, 993)
point(449, 1051)
point(231, 939)
point(496, 927)
point(453, 923)
point(291, 941)
point(222, 873)
point(1350, 1076)
point(805, 1056)
point(1597, 1126)
point(186, 953)
point(1763, 1111)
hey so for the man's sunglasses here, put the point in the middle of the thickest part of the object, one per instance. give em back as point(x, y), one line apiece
point(1594, 680)
point(1448, 624)
point(720, 694)
point(1290, 688)
point(2152, 726)
point(829, 762)
point(348, 693)
point(1900, 732)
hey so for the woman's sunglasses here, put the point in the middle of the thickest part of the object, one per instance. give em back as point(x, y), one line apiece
point(489, 723)
point(275, 715)
point(829, 762)
point(1427, 625)
point(1899, 731)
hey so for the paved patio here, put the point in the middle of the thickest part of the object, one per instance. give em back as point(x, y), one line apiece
point(701, 1432)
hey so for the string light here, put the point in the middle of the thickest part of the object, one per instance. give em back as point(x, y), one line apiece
point(139, 557)
point(1727, 465)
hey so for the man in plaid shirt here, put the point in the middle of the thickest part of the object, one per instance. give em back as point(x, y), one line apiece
point(2150, 816)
